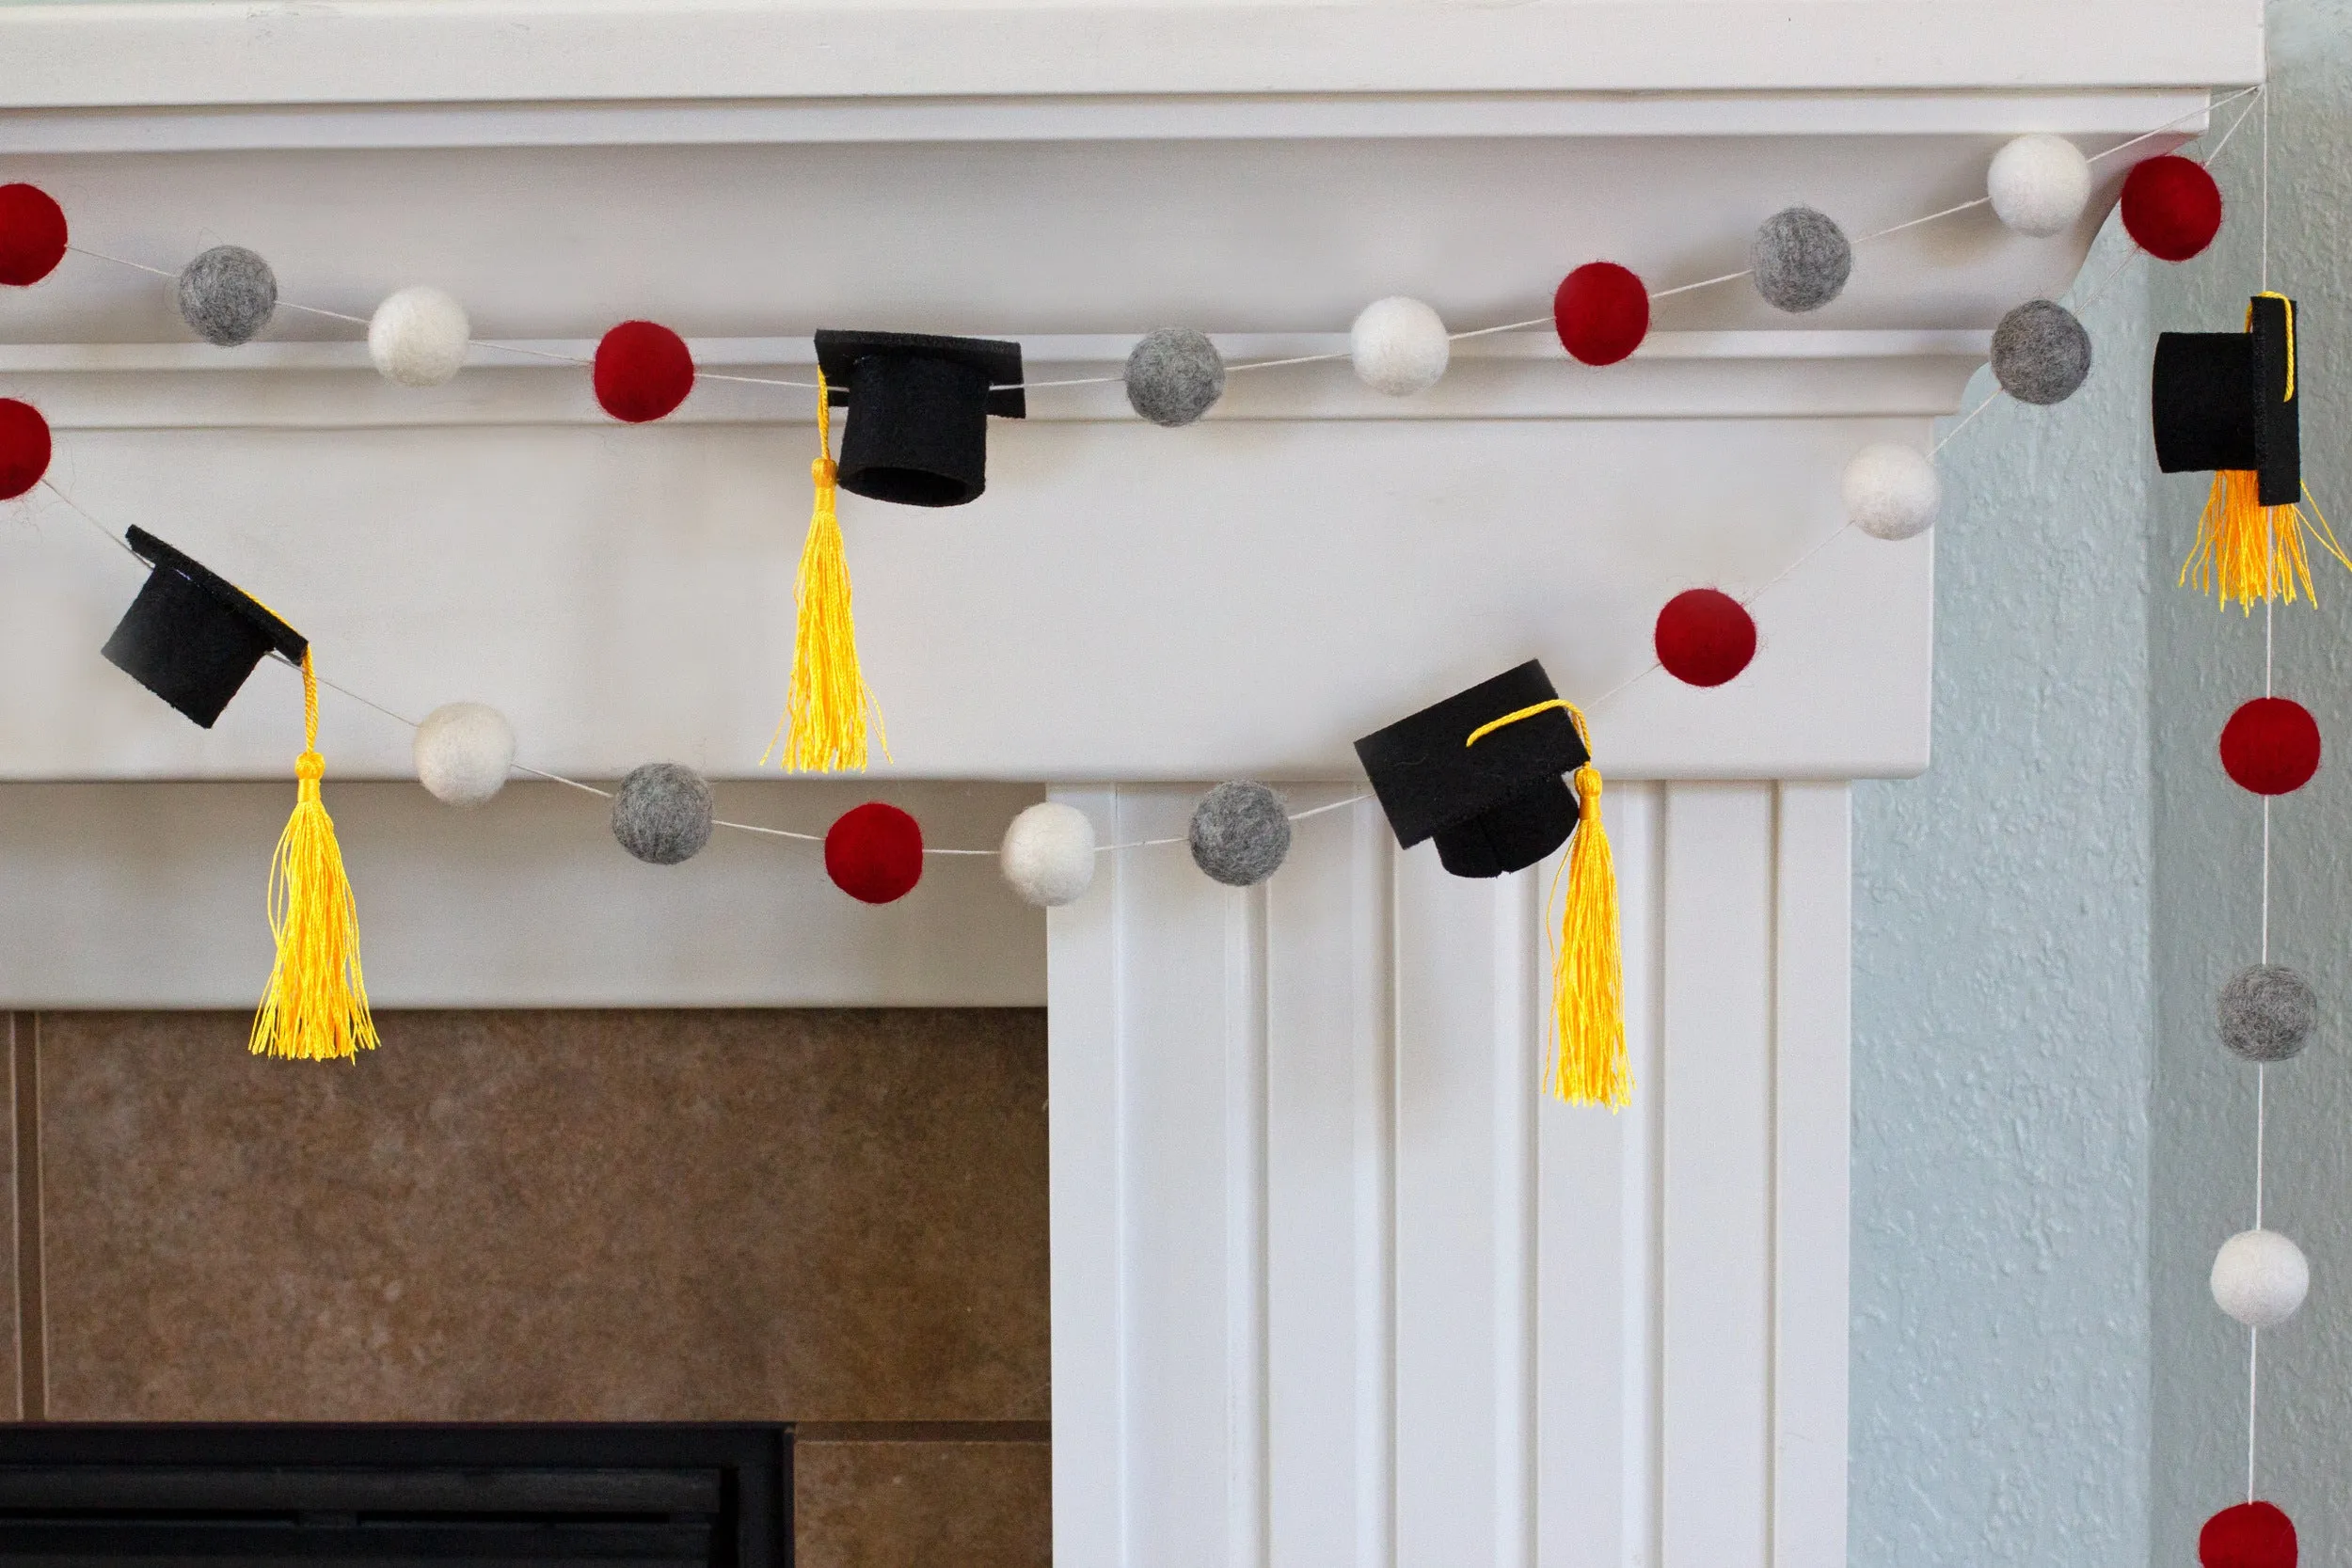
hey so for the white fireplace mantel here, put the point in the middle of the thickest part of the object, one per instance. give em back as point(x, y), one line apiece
point(1333, 1288)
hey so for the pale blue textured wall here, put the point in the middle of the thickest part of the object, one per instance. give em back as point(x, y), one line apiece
point(2207, 866)
point(2048, 1142)
point(2002, 1031)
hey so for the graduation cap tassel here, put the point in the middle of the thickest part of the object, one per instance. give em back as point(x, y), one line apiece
point(316, 1007)
point(1589, 1062)
point(823, 730)
point(2247, 552)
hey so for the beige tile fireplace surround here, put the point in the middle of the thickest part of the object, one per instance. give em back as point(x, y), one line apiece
point(835, 1217)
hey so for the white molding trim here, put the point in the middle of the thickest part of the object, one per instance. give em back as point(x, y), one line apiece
point(228, 52)
point(313, 386)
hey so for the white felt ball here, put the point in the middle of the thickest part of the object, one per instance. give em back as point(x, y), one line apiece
point(1048, 854)
point(418, 337)
point(1399, 346)
point(1891, 492)
point(464, 752)
point(2260, 1279)
point(2039, 183)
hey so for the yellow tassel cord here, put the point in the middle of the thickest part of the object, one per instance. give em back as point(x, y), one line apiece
point(823, 730)
point(2247, 552)
point(1589, 1062)
point(316, 1008)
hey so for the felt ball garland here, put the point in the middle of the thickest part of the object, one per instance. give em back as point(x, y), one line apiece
point(1800, 260)
point(2039, 184)
point(1891, 492)
point(642, 372)
point(226, 295)
point(32, 234)
point(662, 813)
point(419, 336)
point(1704, 637)
point(464, 752)
point(25, 447)
point(1048, 854)
point(2040, 353)
point(1399, 346)
point(2267, 1012)
point(1174, 376)
point(2172, 207)
point(2270, 746)
point(2250, 1535)
point(1240, 834)
point(2260, 1277)
point(1602, 313)
point(874, 853)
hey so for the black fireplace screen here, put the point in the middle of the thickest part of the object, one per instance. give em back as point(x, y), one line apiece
point(388, 1495)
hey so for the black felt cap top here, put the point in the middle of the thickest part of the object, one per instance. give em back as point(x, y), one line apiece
point(918, 411)
point(2228, 400)
point(191, 637)
point(1494, 804)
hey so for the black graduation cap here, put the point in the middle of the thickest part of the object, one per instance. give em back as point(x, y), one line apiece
point(918, 411)
point(191, 637)
point(1494, 804)
point(2227, 400)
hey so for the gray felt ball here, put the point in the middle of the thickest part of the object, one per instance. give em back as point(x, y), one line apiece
point(1174, 376)
point(1240, 834)
point(227, 294)
point(661, 812)
point(2040, 353)
point(1800, 259)
point(2267, 1012)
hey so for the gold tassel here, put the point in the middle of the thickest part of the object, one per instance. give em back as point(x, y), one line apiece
point(823, 730)
point(316, 1008)
point(2248, 552)
point(1589, 1062)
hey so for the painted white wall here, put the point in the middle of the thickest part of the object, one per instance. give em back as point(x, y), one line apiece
point(1333, 1284)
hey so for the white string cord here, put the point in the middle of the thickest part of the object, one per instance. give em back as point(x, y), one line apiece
point(2262, 1072)
point(2215, 151)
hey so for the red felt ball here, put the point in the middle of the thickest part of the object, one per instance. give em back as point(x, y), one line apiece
point(1602, 313)
point(2270, 746)
point(32, 234)
point(874, 853)
point(642, 372)
point(24, 447)
point(2250, 1535)
point(2172, 207)
point(1705, 637)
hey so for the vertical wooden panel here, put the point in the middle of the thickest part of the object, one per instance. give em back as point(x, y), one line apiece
point(1178, 1268)
point(1465, 967)
point(1718, 1179)
point(1813, 1022)
point(1596, 1278)
point(1329, 1280)
point(1087, 1103)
